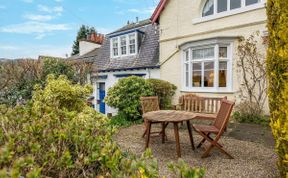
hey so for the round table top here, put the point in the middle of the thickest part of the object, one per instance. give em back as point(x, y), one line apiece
point(169, 116)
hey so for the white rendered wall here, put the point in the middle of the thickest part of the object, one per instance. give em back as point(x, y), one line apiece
point(112, 79)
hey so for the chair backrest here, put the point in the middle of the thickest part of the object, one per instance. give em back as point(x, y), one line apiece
point(193, 103)
point(223, 115)
point(149, 103)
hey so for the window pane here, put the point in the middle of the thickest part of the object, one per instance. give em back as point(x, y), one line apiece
point(132, 44)
point(249, 2)
point(223, 52)
point(186, 75)
point(203, 53)
point(197, 66)
point(208, 8)
point(208, 74)
point(234, 4)
point(115, 46)
point(186, 55)
point(196, 75)
point(123, 45)
point(222, 5)
point(223, 74)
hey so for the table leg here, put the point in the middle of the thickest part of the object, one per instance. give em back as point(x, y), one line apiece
point(190, 134)
point(176, 132)
point(163, 133)
point(148, 134)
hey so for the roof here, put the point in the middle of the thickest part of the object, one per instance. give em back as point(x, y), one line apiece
point(156, 14)
point(88, 57)
point(132, 26)
point(147, 57)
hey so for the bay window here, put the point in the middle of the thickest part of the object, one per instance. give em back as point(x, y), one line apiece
point(208, 68)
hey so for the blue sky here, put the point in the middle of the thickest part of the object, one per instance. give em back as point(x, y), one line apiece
point(29, 28)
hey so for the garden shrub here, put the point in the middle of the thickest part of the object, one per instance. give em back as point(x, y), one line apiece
point(125, 96)
point(164, 90)
point(58, 135)
point(182, 169)
point(277, 66)
point(247, 112)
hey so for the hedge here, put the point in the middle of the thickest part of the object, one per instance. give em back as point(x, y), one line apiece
point(277, 66)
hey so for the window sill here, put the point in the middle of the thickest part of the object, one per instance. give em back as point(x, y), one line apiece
point(228, 13)
point(208, 91)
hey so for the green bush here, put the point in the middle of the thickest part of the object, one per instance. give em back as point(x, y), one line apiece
point(120, 120)
point(125, 96)
point(247, 112)
point(164, 90)
point(58, 135)
point(277, 69)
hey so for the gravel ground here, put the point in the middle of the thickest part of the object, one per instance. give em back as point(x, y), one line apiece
point(252, 159)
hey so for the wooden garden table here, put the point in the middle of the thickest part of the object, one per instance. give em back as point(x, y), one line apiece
point(170, 116)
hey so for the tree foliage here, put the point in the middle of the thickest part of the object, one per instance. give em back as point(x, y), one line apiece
point(83, 32)
point(125, 96)
point(18, 77)
point(277, 69)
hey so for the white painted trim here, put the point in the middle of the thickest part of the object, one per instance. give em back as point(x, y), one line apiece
point(127, 46)
point(215, 89)
point(229, 12)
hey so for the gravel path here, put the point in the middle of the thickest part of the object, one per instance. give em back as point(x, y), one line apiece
point(251, 159)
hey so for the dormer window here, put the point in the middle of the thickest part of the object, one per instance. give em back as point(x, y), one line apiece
point(124, 45)
point(213, 7)
point(115, 46)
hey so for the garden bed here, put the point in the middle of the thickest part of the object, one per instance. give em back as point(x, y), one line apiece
point(254, 155)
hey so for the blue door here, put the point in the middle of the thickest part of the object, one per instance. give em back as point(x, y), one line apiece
point(101, 97)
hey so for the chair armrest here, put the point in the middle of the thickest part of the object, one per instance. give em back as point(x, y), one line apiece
point(204, 116)
point(178, 107)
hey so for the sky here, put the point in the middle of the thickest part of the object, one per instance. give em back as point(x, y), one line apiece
point(29, 28)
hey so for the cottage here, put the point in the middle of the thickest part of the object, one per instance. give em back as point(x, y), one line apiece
point(130, 50)
point(198, 43)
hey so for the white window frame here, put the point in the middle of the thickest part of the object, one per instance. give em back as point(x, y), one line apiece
point(228, 12)
point(127, 45)
point(216, 59)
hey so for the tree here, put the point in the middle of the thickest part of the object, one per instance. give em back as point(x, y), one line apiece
point(83, 32)
point(277, 69)
point(252, 67)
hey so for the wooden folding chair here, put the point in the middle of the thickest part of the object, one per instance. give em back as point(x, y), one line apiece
point(151, 103)
point(217, 128)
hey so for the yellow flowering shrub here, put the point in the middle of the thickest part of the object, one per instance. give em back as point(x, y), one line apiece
point(277, 66)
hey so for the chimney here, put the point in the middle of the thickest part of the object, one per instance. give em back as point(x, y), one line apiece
point(93, 41)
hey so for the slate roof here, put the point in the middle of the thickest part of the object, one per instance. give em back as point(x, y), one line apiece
point(147, 57)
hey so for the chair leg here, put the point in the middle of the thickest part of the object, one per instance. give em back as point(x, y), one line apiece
point(202, 141)
point(148, 134)
point(206, 153)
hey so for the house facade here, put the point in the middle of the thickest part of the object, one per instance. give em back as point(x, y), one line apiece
point(130, 50)
point(198, 43)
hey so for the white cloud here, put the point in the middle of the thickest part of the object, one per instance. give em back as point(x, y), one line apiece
point(28, 1)
point(104, 30)
point(148, 10)
point(57, 9)
point(34, 27)
point(2, 7)
point(33, 51)
point(35, 17)
point(40, 36)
